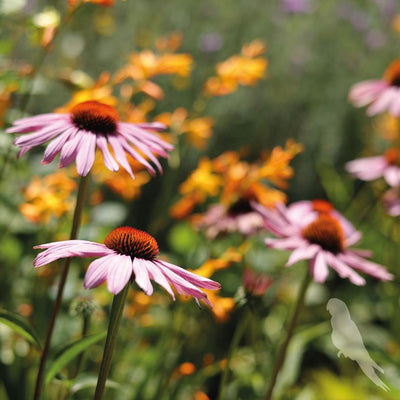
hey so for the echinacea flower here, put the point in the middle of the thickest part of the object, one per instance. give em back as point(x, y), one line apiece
point(391, 201)
point(89, 125)
point(323, 240)
point(239, 217)
point(371, 168)
point(128, 253)
point(383, 95)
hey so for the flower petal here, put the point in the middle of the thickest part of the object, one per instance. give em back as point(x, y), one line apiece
point(319, 268)
point(119, 272)
point(302, 253)
point(96, 273)
point(142, 275)
point(85, 153)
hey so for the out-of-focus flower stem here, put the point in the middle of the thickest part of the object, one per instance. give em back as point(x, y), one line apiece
point(76, 222)
point(238, 334)
point(289, 333)
point(112, 333)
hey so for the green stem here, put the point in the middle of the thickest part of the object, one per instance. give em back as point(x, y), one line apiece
point(238, 334)
point(289, 333)
point(113, 326)
point(81, 196)
point(85, 329)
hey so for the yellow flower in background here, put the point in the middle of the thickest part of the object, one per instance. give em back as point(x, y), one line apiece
point(231, 184)
point(100, 91)
point(276, 168)
point(227, 259)
point(147, 64)
point(48, 197)
point(387, 127)
point(169, 43)
point(120, 182)
point(197, 130)
point(244, 69)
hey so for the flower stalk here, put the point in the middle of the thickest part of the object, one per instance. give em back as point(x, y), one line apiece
point(237, 336)
point(289, 334)
point(113, 327)
point(76, 222)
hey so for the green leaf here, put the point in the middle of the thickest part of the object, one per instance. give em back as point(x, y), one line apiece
point(19, 325)
point(70, 352)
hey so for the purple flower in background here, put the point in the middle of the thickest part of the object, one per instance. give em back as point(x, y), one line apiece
point(297, 6)
point(371, 168)
point(324, 241)
point(382, 95)
point(128, 253)
point(89, 125)
point(391, 201)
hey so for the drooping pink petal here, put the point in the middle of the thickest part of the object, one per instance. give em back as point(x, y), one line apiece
point(108, 159)
point(119, 272)
point(135, 155)
point(343, 270)
point(364, 93)
point(289, 243)
point(368, 168)
point(302, 253)
point(142, 275)
point(120, 155)
point(86, 153)
point(55, 146)
point(69, 248)
point(69, 151)
point(383, 101)
point(42, 136)
point(319, 268)
point(377, 271)
point(157, 276)
point(392, 175)
point(196, 280)
point(97, 271)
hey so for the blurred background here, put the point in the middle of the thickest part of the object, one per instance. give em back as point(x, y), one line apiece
point(295, 62)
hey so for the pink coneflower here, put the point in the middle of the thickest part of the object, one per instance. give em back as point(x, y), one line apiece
point(239, 217)
point(383, 95)
point(324, 241)
point(90, 124)
point(256, 283)
point(370, 168)
point(126, 253)
point(391, 201)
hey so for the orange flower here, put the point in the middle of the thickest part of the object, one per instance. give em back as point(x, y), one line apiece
point(244, 69)
point(47, 197)
point(198, 130)
point(202, 180)
point(276, 169)
point(147, 64)
point(171, 42)
point(235, 183)
point(120, 182)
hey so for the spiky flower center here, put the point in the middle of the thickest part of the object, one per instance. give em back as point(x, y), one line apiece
point(326, 232)
point(393, 156)
point(392, 73)
point(132, 242)
point(95, 117)
point(322, 206)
